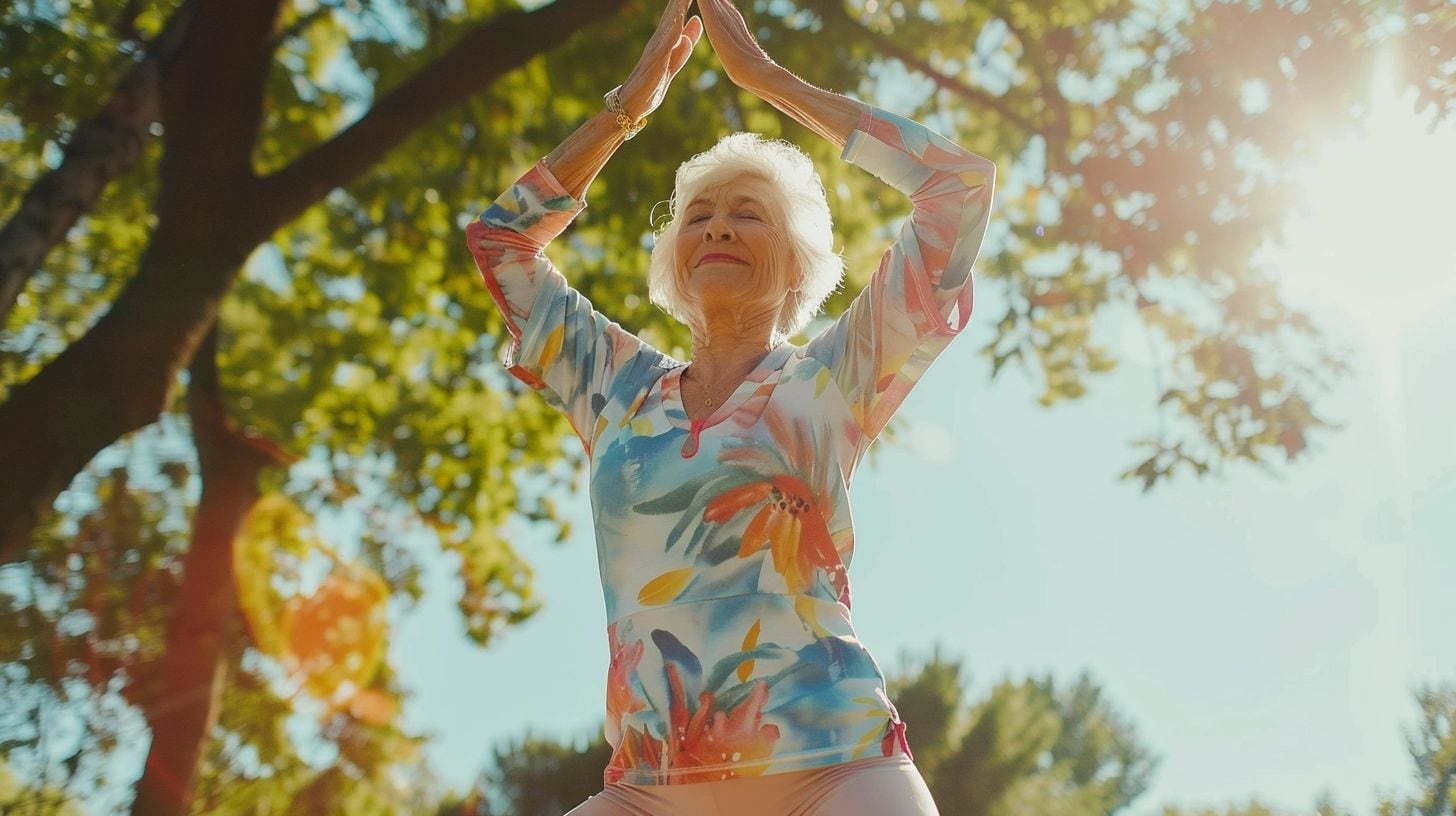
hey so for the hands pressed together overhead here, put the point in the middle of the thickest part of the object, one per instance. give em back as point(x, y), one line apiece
point(743, 60)
point(578, 159)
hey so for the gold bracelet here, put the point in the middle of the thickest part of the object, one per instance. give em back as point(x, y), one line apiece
point(614, 105)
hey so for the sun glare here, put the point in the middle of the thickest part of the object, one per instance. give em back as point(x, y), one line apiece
point(1374, 238)
point(1373, 246)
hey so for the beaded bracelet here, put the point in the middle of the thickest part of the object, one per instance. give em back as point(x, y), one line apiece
point(614, 105)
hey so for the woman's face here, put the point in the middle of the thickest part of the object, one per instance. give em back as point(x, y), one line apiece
point(731, 245)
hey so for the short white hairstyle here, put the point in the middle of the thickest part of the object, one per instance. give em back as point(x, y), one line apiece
point(802, 211)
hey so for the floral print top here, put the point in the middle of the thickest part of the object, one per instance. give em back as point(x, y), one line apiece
point(724, 543)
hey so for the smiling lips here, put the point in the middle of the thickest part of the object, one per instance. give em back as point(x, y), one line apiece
point(718, 256)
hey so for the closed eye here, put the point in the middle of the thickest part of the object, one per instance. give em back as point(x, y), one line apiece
point(745, 213)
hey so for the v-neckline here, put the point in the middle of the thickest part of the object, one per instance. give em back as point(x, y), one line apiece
point(677, 412)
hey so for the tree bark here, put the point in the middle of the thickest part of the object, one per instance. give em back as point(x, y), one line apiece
point(195, 667)
point(212, 213)
point(103, 147)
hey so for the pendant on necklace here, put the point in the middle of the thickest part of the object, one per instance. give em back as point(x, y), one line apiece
point(708, 403)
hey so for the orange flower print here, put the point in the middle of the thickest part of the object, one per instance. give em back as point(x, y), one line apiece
point(620, 697)
point(708, 737)
point(789, 522)
point(638, 749)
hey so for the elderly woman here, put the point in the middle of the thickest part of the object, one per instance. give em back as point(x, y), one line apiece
point(720, 488)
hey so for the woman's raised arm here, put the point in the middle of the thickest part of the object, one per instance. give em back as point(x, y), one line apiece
point(561, 346)
point(578, 160)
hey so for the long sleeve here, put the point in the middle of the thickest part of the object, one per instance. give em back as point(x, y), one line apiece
point(561, 347)
point(920, 297)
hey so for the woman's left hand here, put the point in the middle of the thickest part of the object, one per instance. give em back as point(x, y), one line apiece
point(743, 59)
point(826, 113)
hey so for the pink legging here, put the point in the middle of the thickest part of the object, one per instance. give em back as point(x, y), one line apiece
point(878, 786)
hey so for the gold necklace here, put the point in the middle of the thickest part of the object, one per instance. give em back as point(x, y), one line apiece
point(708, 400)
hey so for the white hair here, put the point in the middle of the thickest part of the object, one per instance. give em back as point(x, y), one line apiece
point(803, 213)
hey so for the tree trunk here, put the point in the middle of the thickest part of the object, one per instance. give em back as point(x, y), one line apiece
point(212, 213)
point(195, 668)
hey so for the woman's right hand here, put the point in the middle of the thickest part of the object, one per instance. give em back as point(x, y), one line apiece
point(664, 56)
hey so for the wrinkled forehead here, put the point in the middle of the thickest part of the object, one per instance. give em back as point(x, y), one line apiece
point(731, 186)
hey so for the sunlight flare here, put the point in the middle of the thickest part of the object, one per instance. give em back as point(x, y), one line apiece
point(1372, 238)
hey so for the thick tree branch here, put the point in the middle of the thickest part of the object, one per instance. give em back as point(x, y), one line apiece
point(212, 99)
point(122, 373)
point(102, 148)
point(487, 51)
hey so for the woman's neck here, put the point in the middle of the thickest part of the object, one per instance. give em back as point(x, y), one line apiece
point(728, 353)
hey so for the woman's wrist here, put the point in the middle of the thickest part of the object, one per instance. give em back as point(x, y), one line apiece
point(577, 160)
point(629, 125)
